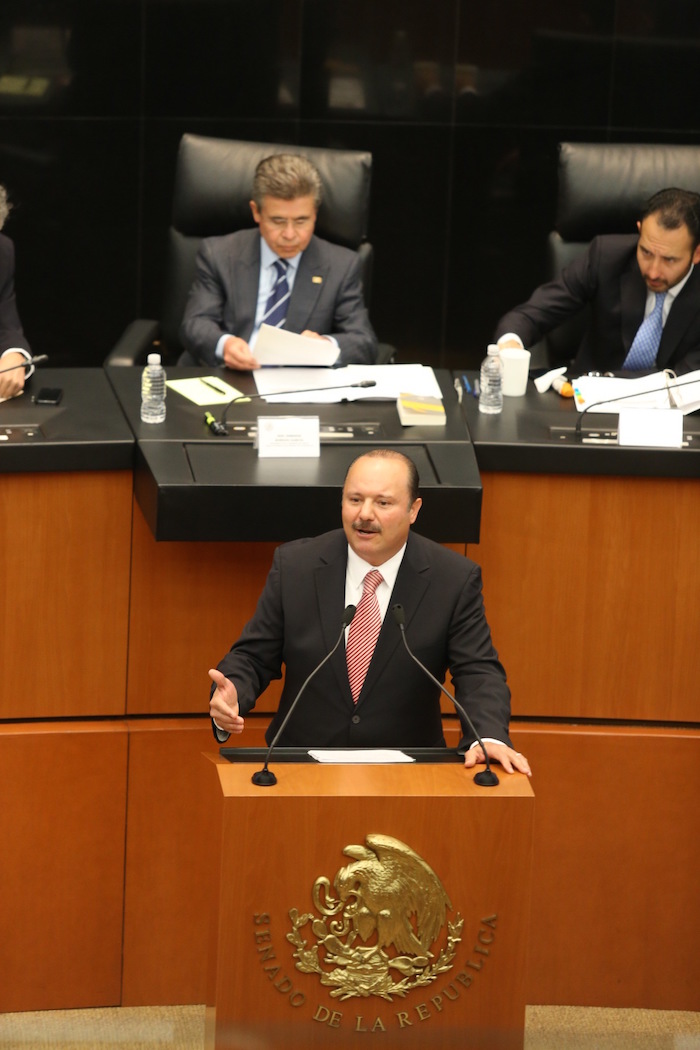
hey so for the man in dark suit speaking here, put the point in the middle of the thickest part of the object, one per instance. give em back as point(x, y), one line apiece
point(280, 274)
point(370, 693)
point(643, 292)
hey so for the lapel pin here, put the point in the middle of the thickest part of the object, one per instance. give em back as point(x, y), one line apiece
point(317, 280)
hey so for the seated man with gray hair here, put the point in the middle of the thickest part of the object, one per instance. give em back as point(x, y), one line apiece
point(14, 348)
point(280, 274)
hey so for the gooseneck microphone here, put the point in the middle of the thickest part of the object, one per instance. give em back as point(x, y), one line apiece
point(669, 386)
point(38, 360)
point(264, 778)
point(362, 384)
point(486, 777)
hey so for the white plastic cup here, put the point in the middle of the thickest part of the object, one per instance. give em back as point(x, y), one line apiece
point(516, 365)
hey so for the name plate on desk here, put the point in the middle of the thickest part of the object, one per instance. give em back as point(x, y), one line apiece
point(651, 428)
point(289, 437)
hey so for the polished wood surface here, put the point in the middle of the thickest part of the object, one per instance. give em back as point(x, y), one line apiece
point(65, 548)
point(277, 841)
point(62, 823)
point(591, 592)
point(189, 603)
point(615, 916)
point(170, 869)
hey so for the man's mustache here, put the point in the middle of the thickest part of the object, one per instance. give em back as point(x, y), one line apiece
point(366, 526)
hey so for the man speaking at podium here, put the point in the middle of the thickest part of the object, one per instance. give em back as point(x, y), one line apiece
point(370, 693)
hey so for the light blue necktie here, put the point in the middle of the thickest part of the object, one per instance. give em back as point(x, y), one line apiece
point(642, 353)
point(278, 302)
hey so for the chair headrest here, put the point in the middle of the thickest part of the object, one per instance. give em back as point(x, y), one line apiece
point(214, 177)
point(603, 187)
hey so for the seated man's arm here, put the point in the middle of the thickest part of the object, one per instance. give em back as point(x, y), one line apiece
point(202, 327)
point(352, 329)
point(555, 302)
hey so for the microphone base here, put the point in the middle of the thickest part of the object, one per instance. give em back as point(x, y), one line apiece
point(264, 778)
point(485, 779)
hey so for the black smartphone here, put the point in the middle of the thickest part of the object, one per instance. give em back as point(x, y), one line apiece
point(49, 395)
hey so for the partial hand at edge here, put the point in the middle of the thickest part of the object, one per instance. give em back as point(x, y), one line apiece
point(223, 706)
point(238, 355)
point(12, 383)
point(510, 760)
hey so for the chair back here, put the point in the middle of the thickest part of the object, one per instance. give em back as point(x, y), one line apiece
point(213, 181)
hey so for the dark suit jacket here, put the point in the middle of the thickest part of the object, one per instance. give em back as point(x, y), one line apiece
point(224, 296)
point(298, 620)
point(607, 278)
point(11, 334)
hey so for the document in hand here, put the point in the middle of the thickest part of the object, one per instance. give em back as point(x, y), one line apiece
point(659, 390)
point(277, 346)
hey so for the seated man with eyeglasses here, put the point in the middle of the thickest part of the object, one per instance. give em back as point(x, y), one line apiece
point(279, 274)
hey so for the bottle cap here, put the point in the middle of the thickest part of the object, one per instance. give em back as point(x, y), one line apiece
point(153, 359)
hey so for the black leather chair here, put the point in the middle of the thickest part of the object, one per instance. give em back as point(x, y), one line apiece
point(213, 181)
point(603, 188)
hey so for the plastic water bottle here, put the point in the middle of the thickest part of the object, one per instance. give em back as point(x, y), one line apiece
point(153, 391)
point(491, 382)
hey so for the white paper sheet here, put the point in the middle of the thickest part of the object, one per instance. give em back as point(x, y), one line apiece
point(276, 384)
point(682, 393)
point(277, 346)
point(371, 756)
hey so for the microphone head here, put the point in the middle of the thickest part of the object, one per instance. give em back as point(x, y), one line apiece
point(399, 614)
point(365, 383)
point(348, 615)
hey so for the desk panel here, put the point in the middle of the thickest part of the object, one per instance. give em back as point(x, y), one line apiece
point(591, 590)
point(615, 920)
point(62, 825)
point(65, 541)
point(192, 486)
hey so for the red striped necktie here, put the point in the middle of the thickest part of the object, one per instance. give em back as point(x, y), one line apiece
point(364, 631)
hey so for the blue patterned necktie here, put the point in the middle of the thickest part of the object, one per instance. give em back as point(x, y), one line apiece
point(278, 301)
point(642, 353)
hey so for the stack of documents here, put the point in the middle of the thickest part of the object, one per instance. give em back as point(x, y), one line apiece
point(660, 390)
point(333, 385)
point(418, 410)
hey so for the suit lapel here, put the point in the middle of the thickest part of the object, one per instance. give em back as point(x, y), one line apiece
point(312, 273)
point(329, 578)
point(682, 313)
point(244, 283)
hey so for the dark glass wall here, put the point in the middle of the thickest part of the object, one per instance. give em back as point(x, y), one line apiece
point(461, 103)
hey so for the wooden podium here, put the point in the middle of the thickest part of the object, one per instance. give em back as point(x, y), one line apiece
point(317, 869)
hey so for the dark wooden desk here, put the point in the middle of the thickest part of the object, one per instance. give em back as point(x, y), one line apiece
point(191, 485)
point(525, 438)
point(86, 431)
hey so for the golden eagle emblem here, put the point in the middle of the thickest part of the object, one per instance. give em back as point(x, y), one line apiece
point(375, 929)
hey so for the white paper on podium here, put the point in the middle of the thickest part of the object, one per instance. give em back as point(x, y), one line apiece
point(276, 346)
point(276, 384)
point(370, 756)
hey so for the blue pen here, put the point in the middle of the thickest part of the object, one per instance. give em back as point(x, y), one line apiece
point(467, 384)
